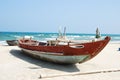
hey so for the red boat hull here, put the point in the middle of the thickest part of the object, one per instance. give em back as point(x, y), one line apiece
point(89, 48)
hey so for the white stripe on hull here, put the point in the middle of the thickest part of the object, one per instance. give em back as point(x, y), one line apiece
point(57, 57)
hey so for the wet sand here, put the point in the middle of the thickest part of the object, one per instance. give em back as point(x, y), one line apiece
point(14, 65)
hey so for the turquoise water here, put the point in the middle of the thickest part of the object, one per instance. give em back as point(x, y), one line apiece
point(47, 36)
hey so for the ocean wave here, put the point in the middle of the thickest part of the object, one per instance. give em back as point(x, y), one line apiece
point(16, 36)
point(3, 43)
point(49, 36)
point(40, 35)
point(116, 38)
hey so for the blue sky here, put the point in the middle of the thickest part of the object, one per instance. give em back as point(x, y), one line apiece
point(79, 16)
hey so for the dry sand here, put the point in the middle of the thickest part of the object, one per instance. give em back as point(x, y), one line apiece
point(16, 66)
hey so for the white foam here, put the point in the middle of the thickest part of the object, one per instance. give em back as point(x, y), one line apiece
point(3, 43)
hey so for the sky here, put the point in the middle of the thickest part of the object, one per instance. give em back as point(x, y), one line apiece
point(78, 16)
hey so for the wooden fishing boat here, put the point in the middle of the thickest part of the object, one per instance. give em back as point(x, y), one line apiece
point(68, 53)
point(12, 42)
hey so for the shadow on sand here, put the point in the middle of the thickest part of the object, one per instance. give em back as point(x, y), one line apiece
point(43, 64)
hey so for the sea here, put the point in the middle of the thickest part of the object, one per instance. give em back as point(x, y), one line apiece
point(115, 38)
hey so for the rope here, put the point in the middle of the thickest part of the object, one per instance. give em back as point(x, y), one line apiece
point(86, 73)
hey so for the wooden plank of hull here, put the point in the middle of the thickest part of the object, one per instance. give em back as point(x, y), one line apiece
point(57, 58)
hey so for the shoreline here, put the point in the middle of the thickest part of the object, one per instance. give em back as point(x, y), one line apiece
point(111, 42)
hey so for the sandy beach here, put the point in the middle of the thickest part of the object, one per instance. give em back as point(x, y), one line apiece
point(14, 65)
